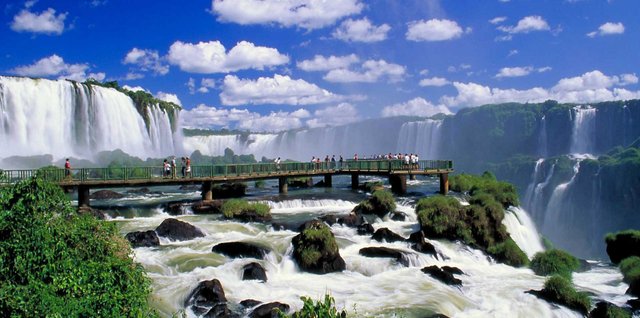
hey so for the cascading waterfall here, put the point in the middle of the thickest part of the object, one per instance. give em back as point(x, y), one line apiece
point(534, 202)
point(421, 137)
point(523, 231)
point(583, 131)
point(535, 176)
point(552, 224)
point(542, 138)
point(65, 118)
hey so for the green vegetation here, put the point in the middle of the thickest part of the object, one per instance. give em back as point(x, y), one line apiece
point(315, 241)
point(229, 157)
point(623, 244)
point(237, 207)
point(630, 268)
point(56, 263)
point(560, 290)
point(554, 262)
point(260, 184)
point(372, 186)
point(319, 309)
point(219, 132)
point(380, 203)
point(480, 223)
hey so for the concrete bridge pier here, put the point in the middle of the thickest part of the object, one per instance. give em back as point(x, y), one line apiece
point(327, 180)
point(354, 181)
point(412, 177)
point(398, 183)
point(83, 197)
point(283, 187)
point(207, 191)
point(444, 183)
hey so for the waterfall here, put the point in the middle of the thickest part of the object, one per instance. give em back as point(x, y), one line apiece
point(421, 137)
point(523, 231)
point(556, 210)
point(529, 193)
point(65, 118)
point(542, 138)
point(534, 200)
point(583, 131)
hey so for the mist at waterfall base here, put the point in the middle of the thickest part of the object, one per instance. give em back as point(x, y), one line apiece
point(369, 287)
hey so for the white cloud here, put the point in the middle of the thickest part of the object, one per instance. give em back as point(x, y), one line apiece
point(608, 28)
point(434, 30)
point(135, 88)
point(361, 31)
point(146, 60)
point(434, 81)
point(341, 114)
point(371, 72)
point(514, 71)
point(321, 63)
point(211, 57)
point(204, 116)
point(498, 20)
point(206, 84)
point(46, 22)
point(415, 107)
point(133, 76)
point(308, 14)
point(168, 97)
point(54, 65)
point(512, 53)
point(589, 87)
point(278, 89)
point(526, 25)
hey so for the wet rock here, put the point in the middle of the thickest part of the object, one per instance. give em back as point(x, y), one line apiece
point(220, 311)
point(622, 245)
point(605, 309)
point(191, 187)
point(250, 303)
point(315, 249)
point(269, 310)
point(106, 195)
point(398, 216)
point(300, 182)
point(139, 191)
point(143, 239)
point(240, 249)
point(174, 208)
point(205, 296)
point(177, 230)
point(634, 303)
point(452, 270)
point(365, 229)
point(229, 190)
point(438, 316)
point(381, 251)
point(98, 214)
point(352, 220)
point(439, 274)
point(420, 244)
point(330, 219)
point(384, 234)
point(209, 207)
point(254, 271)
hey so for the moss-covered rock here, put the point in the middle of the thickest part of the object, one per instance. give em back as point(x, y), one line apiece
point(559, 290)
point(622, 245)
point(315, 249)
point(246, 211)
point(630, 268)
point(379, 203)
point(554, 262)
point(228, 190)
point(606, 309)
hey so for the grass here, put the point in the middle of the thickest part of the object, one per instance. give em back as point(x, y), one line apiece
point(560, 290)
point(554, 262)
point(237, 207)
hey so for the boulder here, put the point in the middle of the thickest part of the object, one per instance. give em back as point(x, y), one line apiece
point(174, 208)
point(622, 245)
point(634, 303)
point(605, 309)
point(205, 296)
point(208, 207)
point(106, 195)
point(420, 244)
point(220, 310)
point(330, 219)
point(352, 220)
point(191, 187)
point(315, 249)
point(229, 190)
point(452, 270)
point(381, 251)
point(269, 310)
point(240, 249)
point(254, 271)
point(365, 229)
point(250, 303)
point(98, 214)
point(398, 216)
point(300, 182)
point(178, 231)
point(439, 274)
point(384, 234)
point(143, 239)
point(139, 191)
point(634, 288)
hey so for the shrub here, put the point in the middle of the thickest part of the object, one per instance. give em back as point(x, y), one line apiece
point(380, 203)
point(554, 262)
point(320, 309)
point(630, 268)
point(260, 184)
point(560, 290)
point(238, 207)
point(54, 262)
point(439, 216)
point(623, 244)
point(509, 253)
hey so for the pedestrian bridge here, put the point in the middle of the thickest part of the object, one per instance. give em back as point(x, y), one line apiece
point(84, 179)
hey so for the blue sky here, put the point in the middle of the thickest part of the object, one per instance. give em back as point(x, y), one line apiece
point(270, 65)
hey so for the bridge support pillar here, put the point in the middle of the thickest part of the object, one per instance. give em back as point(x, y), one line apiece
point(354, 181)
point(444, 183)
point(412, 177)
point(83, 197)
point(398, 183)
point(207, 191)
point(283, 187)
point(327, 180)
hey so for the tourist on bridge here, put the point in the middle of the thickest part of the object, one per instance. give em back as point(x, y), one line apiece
point(184, 166)
point(166, 168)
point(67, 169)
point(340, 162)
point(277, 162)
point(333, 161)
point(173, 167)
point(188, 170)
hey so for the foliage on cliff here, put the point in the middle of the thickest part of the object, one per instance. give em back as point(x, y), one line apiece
point(480, 223)
point(56, 263)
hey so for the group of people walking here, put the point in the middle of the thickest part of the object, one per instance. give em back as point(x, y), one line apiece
point(169, 168)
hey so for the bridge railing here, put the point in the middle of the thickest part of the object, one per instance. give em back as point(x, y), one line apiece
point(207, 171)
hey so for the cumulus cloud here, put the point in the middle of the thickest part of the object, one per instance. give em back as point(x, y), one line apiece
point(370, 72)
point(308, 14)
point(279, 89)
point(361, 31)
point(520, 71)
point(608, 28)
point(204, 116)
point(212, 57)
point(55, 66)
point(341, 114)
point(434, 81)
point(46, 22)
point(415, 107)
point(498, 20)
point(589, 87)
point(146, 60)
point(527, 24)
point(168, 97)
point(135, 88)
point(321, 63)
point(434, 30)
